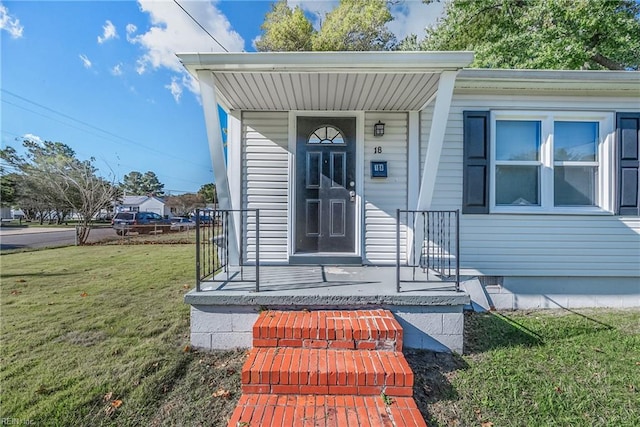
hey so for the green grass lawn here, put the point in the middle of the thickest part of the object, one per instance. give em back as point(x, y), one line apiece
point(540, 368)
point(98, 335)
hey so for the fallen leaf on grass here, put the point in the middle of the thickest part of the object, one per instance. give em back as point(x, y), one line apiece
point(107, 397)
point(116, 403)
point(84, 294)
point(222, 393)
point(185, 286)
point(487, 424)
point(15, 292)
point(187, 348)
point(21, 281)
point(558, 390)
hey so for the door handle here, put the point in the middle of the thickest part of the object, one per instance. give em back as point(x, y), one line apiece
point(352, 195)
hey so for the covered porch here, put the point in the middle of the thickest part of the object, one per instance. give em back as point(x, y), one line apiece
point(319, 200)
point(303, 221)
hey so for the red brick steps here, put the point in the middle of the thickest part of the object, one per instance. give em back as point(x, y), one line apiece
point(326, 371)
point(265, 410)
point(363, 329)
point(326, 368)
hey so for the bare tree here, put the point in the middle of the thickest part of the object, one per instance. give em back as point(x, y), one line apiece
point(52, 179)
point(84, 191)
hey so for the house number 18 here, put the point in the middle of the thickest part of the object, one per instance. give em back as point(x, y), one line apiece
point(377, 150)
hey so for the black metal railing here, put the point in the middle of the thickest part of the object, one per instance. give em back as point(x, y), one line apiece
point(216, 261)
point(432, 244)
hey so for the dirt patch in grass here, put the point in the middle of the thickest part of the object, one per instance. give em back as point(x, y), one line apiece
point(83, 338)
point(208, 392)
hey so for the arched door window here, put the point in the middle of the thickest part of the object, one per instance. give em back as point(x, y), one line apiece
point(326, 135)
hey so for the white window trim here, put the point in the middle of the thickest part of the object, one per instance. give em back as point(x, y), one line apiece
point(605, 176)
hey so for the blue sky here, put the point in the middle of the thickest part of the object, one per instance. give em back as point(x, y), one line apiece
point(102, 77)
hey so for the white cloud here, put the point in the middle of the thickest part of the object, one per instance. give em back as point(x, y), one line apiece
point(109, 32)
point(117, 70)
point(131, 29)
point(413, 16)
point(173, 31)
point(85, 61)
point(32, 137)
point(175, 89)
point(9, 23)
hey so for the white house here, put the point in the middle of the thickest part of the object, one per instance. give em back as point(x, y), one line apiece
point(143, 204)
point(543, 166)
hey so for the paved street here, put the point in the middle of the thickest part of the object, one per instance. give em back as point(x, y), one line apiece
point(36, 237)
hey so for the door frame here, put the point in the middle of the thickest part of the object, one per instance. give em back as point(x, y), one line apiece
point(359, 173)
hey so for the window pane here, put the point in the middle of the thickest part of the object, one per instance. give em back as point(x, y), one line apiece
point(575, 186)
point(517, 185)
point(575, 141)
point(517, 140)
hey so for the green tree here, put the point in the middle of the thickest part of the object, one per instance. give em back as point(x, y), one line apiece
point(7, 188)
point(285, 30)
point(138, 184)
point(208, 192)
point(354, 25)
point(544, 34)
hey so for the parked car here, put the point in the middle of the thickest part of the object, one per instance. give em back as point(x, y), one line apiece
point(179, 223)
point(140, 222)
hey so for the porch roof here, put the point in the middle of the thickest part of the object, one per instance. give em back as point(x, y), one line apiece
point(326, 81)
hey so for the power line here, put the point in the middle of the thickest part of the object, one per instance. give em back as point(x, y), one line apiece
point(88, 125)
point(91, 133)
point(200, 25)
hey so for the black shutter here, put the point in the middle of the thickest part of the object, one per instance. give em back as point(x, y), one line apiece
point(628, 135)
point(475, 175)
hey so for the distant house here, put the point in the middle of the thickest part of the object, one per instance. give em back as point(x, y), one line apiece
point(5, 213)
point(143, 204)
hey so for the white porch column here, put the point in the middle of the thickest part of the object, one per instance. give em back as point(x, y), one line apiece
point(413, 174)
point(216, 149)
point(434, 150)
point(234, 165)
point(436, 139)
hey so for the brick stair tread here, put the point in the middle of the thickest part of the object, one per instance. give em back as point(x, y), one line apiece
point(265, 410)
point(326, 371)
point(367, 329)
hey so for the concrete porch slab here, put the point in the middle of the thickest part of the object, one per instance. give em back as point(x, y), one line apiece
point(431, 313)
point(321, 286)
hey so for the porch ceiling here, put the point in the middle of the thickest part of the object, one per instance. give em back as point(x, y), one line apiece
point(326, 81)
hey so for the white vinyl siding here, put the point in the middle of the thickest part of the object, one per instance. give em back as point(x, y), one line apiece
point(265, 183)
point(529, 244)
point(382, 196)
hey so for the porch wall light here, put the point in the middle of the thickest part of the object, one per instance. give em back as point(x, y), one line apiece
point(378, 129)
